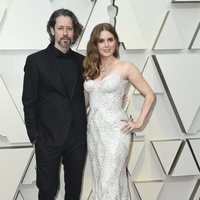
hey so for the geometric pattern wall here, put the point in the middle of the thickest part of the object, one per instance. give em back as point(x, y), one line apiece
point(162, 37)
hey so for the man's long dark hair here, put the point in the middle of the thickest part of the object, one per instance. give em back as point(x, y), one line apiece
point(64, 12)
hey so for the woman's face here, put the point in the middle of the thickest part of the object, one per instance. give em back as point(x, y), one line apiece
point(106, 44)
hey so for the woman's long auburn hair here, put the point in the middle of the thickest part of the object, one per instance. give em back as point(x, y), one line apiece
point(92, 60)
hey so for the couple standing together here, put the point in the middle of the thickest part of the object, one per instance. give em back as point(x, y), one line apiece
point(59, 84)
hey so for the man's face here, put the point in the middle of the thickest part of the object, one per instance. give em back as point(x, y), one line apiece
point(63, 32)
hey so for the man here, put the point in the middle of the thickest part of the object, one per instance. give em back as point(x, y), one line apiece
point(54, 108)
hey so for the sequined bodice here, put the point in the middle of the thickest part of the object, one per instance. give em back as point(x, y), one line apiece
point(106, 95)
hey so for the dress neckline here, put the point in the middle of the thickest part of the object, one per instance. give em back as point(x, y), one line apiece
point(109, 75)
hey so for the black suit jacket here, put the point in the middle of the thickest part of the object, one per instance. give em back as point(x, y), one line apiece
point(49, 109)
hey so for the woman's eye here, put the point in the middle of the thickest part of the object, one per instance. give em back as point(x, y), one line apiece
point(110, 39)
point(100, 41)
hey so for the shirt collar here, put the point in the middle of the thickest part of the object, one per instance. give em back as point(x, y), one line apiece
point(60, 54)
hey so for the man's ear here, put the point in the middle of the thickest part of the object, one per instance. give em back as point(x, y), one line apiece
point(52, 30)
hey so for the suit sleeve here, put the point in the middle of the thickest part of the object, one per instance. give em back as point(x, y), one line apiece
point(30, 99)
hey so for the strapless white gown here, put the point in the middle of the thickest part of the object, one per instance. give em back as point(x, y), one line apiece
point(108, 147)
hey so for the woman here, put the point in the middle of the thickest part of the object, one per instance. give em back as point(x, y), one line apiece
point(106, 80)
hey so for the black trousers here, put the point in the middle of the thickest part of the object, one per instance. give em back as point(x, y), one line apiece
point(48, 161)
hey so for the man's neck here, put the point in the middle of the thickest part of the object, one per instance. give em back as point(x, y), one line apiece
point(63, 50)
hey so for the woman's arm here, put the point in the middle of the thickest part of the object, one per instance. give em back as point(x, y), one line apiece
point(86, 94)
point(137, 80)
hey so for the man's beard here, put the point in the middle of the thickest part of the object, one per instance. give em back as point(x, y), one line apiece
point(67, 44)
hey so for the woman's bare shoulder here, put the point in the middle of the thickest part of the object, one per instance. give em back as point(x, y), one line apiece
point(126, 65)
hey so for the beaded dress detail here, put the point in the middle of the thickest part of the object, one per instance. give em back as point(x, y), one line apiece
point(108, 147)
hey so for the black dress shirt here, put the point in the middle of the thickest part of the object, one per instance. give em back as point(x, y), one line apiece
point(67, 67)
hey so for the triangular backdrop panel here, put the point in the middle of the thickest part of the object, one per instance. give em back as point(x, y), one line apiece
point(177, 72)
point(185, 1)
point(196, 42)
point(13, 163)
point(98, 15)
point(179, 189)
point(19, 197)
point(28, 29)
point(12, 125)
point(148, 167)
point(132, 190)
point(149, 190)
point(136, 150)
point(132, 39)
point(195, 145)
point(2, 12)
point(152, 77)
point(30, 174)
point(169, 36)
point(82, 11)
point(187, 21)
point(166, 151)
point(185, 165)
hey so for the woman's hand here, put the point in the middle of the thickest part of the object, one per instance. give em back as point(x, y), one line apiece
point(130, 126)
